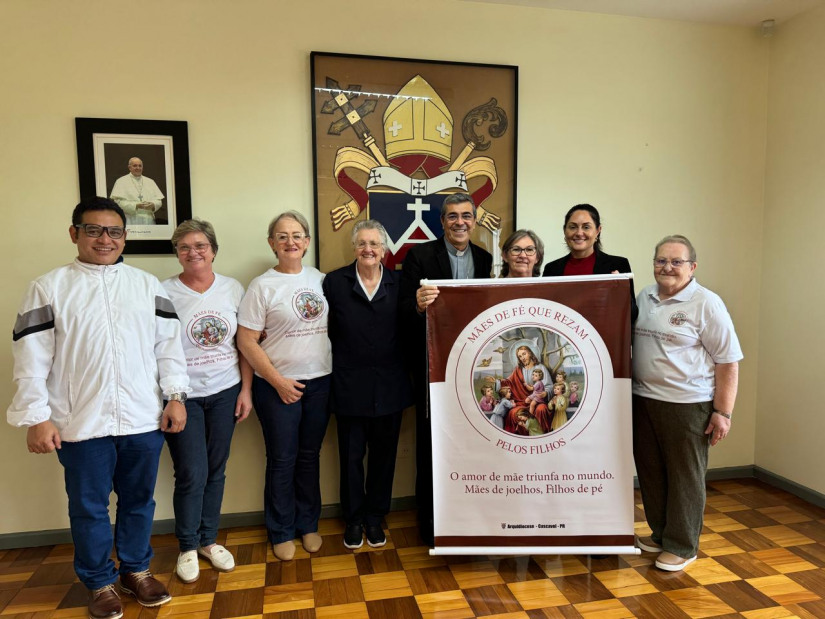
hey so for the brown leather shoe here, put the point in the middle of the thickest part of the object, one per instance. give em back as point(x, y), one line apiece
point(104, 603)
point(147, 589)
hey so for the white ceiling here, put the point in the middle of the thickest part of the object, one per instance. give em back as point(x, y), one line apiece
point(733, 12)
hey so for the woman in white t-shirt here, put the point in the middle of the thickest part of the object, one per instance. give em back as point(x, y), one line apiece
point(221, 395)
point(291, 385)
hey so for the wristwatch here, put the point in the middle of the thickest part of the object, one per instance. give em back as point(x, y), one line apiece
point(177, 397)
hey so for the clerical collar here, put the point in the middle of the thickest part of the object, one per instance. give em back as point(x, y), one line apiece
point(461, 262)
point(454, 250)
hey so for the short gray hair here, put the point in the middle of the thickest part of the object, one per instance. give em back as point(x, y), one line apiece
point(302, 221)
point(457, 198)
point(512, 240)
point(195, 225)
point(371, 224)
point(677, 238)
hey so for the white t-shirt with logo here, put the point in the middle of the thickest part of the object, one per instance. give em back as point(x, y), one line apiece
point(291, 308)
point(678, 342)
point(208, 326)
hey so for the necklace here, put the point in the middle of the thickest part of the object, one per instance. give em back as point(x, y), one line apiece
point(138, 186)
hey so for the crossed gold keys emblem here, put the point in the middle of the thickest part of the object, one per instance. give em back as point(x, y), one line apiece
point(418, 129)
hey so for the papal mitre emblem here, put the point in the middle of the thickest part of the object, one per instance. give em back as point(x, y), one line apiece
point(407, 182)
point(417, 122)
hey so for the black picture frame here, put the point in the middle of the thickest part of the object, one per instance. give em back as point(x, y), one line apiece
point(104, 146)
point(483, 102)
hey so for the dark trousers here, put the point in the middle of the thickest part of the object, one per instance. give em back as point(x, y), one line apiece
point(199, 454)
point(293, 434)
point(423, 457)
point(670, 448)
point(92, 469)
point(367, 501)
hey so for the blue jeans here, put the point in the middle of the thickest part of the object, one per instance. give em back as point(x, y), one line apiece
point(92, 469)
point(199, 454)
point(293, 434)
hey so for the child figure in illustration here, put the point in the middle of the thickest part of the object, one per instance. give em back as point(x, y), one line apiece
point(538, 395)
point(561, 377)
point(502, 408)
point(573, 398)
point(527, 421)
point(487, 402)
point(558, 404)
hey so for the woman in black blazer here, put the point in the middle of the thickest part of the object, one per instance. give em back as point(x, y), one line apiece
point(582, 233)
point(370, 385)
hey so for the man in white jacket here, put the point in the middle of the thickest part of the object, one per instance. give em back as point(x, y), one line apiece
point(96, 351)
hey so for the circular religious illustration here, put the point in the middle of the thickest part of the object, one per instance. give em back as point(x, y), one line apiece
point(309, 305)
point(208, 331)
point(529, 381)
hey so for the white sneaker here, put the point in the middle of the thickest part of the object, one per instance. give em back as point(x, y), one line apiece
point(188, 569)
point(670, 562)
point(220, 558)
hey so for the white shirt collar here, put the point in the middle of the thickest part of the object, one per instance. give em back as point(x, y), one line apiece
point(369, 294)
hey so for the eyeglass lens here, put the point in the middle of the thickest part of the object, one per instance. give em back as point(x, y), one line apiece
point(94, 231)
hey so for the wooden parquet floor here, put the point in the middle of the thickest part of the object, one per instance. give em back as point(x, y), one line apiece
point(762, 556)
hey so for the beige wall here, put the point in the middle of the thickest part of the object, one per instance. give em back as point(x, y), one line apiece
point(662, 125)
point(790, 420)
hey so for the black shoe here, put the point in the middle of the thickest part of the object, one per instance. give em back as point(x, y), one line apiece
point(353, 536)
point(375, 536)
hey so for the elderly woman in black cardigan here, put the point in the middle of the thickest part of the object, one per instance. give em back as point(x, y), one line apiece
point(370, 386)
point(582, 233)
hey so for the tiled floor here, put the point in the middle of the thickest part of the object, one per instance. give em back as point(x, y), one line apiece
point(762, 556)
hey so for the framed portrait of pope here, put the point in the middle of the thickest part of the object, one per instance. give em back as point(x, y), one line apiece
point(143, 165)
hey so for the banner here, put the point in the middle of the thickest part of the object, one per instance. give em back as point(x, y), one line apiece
point(531, 420)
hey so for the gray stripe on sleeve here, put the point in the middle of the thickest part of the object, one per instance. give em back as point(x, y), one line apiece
point(164, 308)
point(33, 321)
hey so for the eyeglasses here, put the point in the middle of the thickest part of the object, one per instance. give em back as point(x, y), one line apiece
point(198, 247)
point(517, 251)
point(454, 217)
point(661, 263)
point(370, 244)
point(297, 237)
point(94, 231)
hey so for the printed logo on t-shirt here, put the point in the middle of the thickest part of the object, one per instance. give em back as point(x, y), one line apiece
point(677, 319)
point(309, 305)
point(207, 331)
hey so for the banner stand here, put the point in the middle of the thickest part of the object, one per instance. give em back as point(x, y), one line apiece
point(530, 408)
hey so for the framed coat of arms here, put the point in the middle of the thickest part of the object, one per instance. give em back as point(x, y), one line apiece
point(393, 137)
